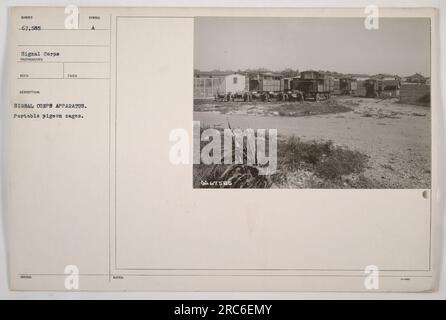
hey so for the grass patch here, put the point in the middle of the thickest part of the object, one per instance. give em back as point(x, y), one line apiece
point(233, 176)
point(308, 108)
point(229, 175)
point(425, 99)
point(272, 108)
point(301, 164)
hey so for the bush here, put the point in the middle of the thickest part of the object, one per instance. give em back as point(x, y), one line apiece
point(341, 162)
point(229, 176)
point(296, 153)
point(425, 99)
point(323, 158)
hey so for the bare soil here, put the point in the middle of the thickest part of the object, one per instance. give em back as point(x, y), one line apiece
point(395, 137)
point(275, 108)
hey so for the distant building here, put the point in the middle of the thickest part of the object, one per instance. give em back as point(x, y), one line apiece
point(358, 76)
point(416, 78)
point(384, 77)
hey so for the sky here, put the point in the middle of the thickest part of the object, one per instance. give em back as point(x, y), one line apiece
point(400, 46)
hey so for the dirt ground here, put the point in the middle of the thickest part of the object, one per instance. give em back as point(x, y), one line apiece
point(395, 136)
point(275, 108)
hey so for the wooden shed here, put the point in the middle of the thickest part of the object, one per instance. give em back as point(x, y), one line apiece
point(347, 86)
point(314, 84)
point(264, 82)
point(382, 87)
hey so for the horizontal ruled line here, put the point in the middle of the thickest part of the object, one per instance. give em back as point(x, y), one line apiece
point(64, 45)
point(224, 275)
point(63, 78)
point(31, 61)
point(64, 29)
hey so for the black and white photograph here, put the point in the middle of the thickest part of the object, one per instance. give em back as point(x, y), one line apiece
point(318, 103)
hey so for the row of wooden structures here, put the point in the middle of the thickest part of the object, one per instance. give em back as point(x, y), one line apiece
point(309, 85)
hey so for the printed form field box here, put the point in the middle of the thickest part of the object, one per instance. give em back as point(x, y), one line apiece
point(39, 70)
point(86, 70)
point(68, 53)
point(67, 37)
point(56, 19)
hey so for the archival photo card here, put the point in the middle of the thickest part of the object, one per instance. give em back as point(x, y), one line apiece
point(121, 127)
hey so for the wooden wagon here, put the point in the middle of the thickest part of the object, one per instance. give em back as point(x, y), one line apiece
point(314, 85)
